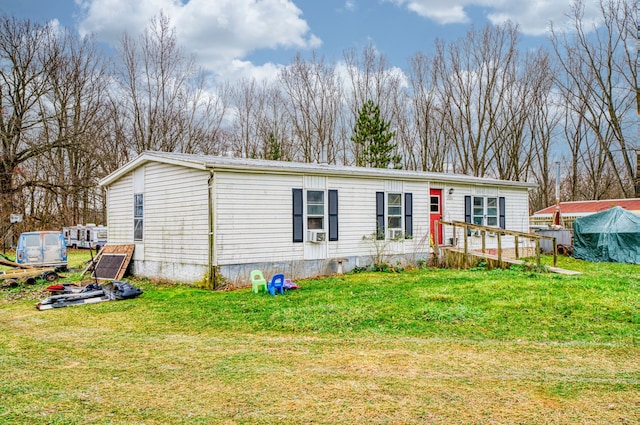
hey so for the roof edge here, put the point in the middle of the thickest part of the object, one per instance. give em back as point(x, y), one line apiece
point(219, 163)
point(143, 158)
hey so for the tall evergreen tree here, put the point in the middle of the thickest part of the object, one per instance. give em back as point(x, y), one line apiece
point(273, 148)
point(373, 139)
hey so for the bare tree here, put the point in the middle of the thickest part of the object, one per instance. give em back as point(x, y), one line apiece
point(164, 96)
point(115, 148)
point(406, 132)
point(430, 152)
point(25, 61)
point(543, 120)
point(599, 73)
point(522, 117)
point(78, 81)
point(274, 129)
point(473, 81)
point(314, 92)
point(249, 99)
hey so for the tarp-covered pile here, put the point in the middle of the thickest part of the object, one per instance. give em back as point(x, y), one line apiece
point(612, 235)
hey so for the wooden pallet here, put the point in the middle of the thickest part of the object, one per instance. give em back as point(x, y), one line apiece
point(19, 274)
point(126, 249)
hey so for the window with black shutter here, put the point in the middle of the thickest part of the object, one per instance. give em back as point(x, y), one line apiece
point(333, 215)
point(467, 211)
point(298, 216)
point(380, 227)
point(408, 215)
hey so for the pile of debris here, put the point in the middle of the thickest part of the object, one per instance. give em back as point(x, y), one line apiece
point(69, 294)
point(107, 268)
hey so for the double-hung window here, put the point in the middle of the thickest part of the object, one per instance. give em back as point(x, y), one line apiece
point(394, 215)
point(138, 216)
point(478, 210)
point(318, 212)
point(391, 216)
point(315, 210)
point(492, 212)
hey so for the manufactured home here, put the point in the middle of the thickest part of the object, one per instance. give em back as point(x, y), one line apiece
point(197, 218)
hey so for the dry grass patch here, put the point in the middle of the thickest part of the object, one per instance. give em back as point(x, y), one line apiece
point(449, 348)
point(83, 375)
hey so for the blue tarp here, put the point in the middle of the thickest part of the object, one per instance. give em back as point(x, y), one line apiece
point(608, 236)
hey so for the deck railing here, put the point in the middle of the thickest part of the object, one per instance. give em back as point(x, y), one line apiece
point(468, 227)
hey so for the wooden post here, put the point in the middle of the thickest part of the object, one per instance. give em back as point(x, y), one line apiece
point(555, 252)
point(499, 235)
point(466, 247)
point(517, 248)
point(453, 239)
point(436, 247)
point(538, 251)
point(484, 241)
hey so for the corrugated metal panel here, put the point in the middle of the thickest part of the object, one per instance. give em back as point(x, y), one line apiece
point(590, 207)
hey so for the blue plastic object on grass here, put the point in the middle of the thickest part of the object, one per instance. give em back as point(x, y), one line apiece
point(276, 284)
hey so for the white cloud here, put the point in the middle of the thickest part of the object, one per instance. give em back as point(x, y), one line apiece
point(533, 16)
point(220, 32)
point(239, 70)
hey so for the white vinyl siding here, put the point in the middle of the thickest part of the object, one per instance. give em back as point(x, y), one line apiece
point(120, 211)
point(176, 214)
point(356, 215)
point(253, 218)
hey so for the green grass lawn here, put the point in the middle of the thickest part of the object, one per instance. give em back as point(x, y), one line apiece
point(422, 346)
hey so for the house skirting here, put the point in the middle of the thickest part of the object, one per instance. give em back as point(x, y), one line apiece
point(237, 275)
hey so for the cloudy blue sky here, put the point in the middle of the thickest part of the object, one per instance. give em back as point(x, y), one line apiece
point(255, 37)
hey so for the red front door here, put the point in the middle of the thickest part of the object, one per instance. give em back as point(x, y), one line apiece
point(435, 214)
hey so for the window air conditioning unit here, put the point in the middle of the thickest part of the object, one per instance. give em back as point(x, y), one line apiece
point(316, 236)
point(395, 234)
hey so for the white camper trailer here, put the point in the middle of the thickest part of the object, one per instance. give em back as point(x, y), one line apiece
point(89, 236)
